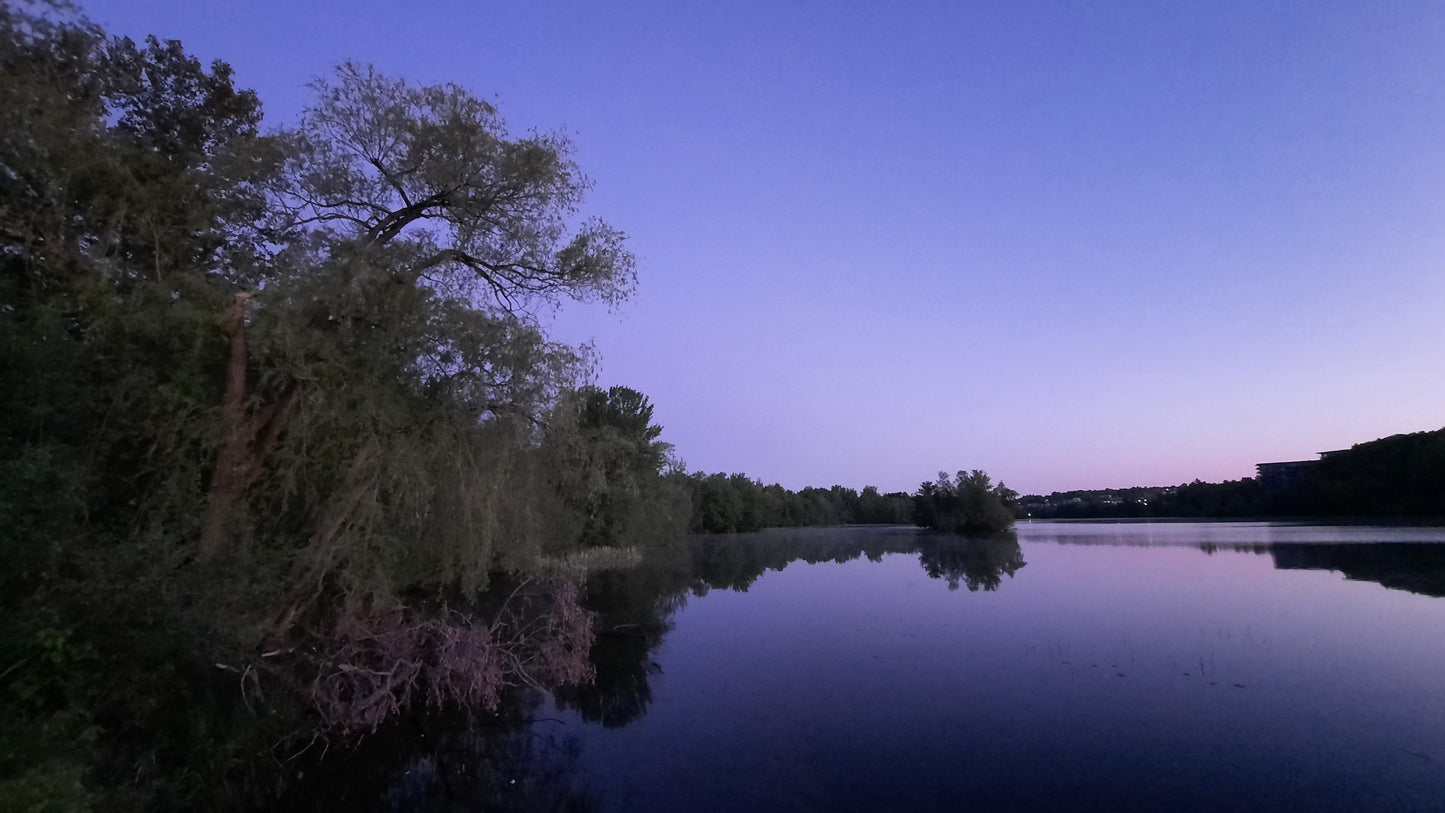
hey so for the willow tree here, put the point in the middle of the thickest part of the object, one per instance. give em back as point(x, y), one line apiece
point(397, 324)
point(388, 390)
point(286, 385)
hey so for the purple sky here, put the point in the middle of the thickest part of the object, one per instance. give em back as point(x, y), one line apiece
point(1077, 245)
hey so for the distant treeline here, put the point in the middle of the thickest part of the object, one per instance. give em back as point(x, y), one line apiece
point(724, 503)
point(1397, 476)
point(966, 502)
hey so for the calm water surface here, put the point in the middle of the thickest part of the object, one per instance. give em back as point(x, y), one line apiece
point(1084, 666)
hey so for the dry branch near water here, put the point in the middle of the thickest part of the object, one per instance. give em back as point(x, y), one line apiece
point(373, 667)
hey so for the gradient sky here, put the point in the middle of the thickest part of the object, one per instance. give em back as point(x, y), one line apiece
point(1078, 245)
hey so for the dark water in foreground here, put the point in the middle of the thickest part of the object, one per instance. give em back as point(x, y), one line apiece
point(1081, 666)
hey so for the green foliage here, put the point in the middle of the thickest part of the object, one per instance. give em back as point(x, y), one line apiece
point(263, 387)
point(48, 691)
point(967, 503)
point(735, 503)
point(609, 469)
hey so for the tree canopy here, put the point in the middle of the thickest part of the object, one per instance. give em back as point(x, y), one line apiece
point(968, 502)
point(278, 404)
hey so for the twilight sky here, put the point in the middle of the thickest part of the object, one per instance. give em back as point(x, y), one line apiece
point(1078, 245)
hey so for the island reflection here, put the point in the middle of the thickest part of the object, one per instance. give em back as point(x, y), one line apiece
point(527, 759)
point(635, 605)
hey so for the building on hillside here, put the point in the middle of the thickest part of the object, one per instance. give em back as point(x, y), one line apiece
point(1285, 473)
point(1291, 471)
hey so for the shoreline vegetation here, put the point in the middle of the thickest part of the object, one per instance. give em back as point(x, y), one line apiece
point(286, 452)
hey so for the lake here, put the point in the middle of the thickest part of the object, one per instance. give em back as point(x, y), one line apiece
point(1070, 666)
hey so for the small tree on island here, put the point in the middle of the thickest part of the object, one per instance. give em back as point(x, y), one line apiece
point(969, 502)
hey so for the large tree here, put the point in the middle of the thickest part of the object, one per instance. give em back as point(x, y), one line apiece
point(419, 235)
point(128, 186)
point(611, 467)
point(274, 400)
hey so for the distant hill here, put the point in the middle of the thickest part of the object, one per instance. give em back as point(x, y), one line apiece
point(1399, 476)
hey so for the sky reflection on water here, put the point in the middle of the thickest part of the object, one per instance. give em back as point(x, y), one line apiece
point(1111, 676)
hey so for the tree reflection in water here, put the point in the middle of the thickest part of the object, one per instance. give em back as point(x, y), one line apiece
point(1416, 567)
point(453, 761)
point(508, 768)
point(635, 606)
point(513, 761)
point(978, 562)
point(520, 760)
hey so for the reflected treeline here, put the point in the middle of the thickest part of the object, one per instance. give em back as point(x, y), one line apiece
point(978, 563)
point(634, 610)
point(634, 606)
point(516, 761)
point(452, 762)
point(1418, 567)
